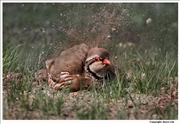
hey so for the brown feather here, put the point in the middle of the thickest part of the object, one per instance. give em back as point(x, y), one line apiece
point(70, 60)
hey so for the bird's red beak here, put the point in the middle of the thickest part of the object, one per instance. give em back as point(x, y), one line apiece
point(106, 62)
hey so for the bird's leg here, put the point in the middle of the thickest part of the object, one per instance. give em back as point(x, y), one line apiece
point(66, 80)
point(73, 81)
point(51, 82)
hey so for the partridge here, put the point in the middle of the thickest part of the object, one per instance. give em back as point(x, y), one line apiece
point(79, 66)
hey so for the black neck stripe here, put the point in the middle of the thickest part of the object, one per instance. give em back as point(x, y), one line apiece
point(94, 74)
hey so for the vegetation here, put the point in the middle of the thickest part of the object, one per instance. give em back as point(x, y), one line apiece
point(142, 40)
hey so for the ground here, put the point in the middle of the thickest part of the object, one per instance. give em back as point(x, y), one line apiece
point(81, 105)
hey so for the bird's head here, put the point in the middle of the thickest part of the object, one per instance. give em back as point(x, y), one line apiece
point(97, 61)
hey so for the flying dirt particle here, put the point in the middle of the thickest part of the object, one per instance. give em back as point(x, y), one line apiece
point(113, 29)
point(109, 36)
point(149, 21)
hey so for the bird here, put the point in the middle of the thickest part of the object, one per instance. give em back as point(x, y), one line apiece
point(80, 66)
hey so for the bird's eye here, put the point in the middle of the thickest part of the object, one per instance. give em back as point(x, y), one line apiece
point(96, 59)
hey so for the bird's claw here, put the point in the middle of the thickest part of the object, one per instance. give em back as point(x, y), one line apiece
point(66, 80)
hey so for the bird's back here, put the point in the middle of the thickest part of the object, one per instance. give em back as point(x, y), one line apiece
point(70, 60)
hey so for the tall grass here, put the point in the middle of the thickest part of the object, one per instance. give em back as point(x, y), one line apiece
point(11, 58)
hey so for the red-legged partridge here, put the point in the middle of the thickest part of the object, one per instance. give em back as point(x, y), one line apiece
point(79, 66)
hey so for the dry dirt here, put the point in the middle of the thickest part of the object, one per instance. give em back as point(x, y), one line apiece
point(142, 107)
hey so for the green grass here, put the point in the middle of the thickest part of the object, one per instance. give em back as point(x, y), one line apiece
point(152, 65)
point(98, 107)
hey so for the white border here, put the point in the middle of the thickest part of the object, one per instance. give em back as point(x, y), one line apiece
point(75, 121)
point(1, 52)
point(89, 121)
point(88, 1)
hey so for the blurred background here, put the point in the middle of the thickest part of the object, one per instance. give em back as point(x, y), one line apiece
point(51, 27)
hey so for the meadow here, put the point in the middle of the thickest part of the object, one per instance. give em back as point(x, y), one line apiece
point(142, 39)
